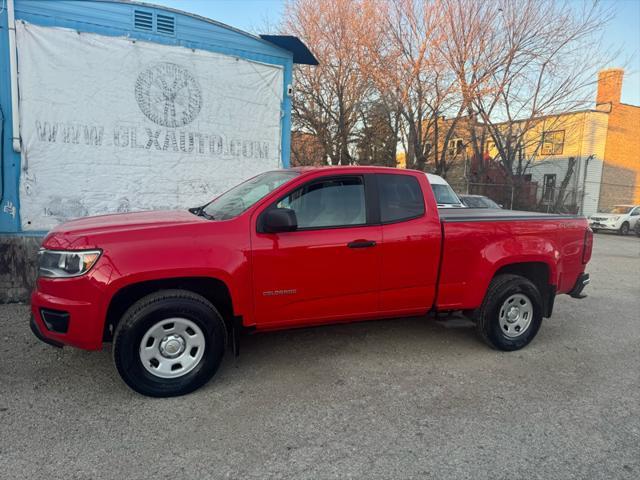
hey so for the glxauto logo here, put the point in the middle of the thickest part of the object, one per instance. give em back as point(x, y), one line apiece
point(168, 95)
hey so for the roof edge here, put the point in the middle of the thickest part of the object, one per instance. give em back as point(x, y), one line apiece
point(195, 16)
point(301, 53)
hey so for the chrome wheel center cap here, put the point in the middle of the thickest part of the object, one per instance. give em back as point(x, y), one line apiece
point(512, 314)
point(172, 346)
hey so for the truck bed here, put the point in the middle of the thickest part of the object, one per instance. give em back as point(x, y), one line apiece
point(476, 242)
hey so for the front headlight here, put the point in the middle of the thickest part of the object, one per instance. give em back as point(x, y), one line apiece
point(614, 219)
point(66, 263)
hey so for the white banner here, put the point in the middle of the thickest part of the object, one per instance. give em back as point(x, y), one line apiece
point(113, 125)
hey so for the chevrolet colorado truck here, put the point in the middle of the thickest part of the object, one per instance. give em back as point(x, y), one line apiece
point(294, 248)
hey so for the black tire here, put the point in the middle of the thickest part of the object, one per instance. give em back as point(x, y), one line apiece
point(487, 322)
point(594, 230)
point(624, 229)
point(150, 310)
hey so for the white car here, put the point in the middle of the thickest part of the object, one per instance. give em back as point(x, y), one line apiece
point(620, 218)
point(445, 196)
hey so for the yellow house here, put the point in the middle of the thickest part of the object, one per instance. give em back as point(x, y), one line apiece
point(597, 149)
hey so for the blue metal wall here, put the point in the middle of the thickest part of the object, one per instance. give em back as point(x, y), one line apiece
point(111, 17)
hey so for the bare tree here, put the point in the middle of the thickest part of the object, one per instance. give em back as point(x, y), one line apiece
point(421, 72)
point(541, 58)
point(329, 97)
point(403, 63)
point(378, 135)
point(471, 49)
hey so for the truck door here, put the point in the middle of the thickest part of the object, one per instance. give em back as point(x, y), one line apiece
point(410, 244)
point(329, 267)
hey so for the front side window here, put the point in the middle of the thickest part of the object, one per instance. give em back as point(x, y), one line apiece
point(400, 197)
point(335, 202)
point(243, 196)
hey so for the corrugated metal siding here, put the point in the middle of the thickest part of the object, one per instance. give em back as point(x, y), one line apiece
point(108, 17)
point(116, 18)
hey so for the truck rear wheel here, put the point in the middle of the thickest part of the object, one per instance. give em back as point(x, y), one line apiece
point(511, 313)
point(169, 343)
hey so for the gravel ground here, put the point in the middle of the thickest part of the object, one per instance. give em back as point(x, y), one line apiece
point(405, 398)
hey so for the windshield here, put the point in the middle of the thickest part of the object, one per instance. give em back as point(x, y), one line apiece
point(444, 194)
point(473, 202)
point(490, 203)
point(478, 202)
point(235, 201)
point(485, 202)
point(620, 209)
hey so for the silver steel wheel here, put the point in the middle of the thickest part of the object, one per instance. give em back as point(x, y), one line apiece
point(172, 348)
point(515, 315)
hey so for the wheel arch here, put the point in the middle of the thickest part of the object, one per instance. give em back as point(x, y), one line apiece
point(540, 273)
point(211, 288)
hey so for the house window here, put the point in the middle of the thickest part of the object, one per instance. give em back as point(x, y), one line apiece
point(455, 147)
point(553, 142)
point(549, 187)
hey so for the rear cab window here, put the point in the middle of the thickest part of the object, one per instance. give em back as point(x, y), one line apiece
point(400, 197)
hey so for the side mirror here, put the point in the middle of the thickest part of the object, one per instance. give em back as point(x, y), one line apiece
point(276, 220)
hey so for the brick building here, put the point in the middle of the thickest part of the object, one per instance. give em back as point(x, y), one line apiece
point(620, 181)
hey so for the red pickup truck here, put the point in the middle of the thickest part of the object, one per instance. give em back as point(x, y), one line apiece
point(293, 248)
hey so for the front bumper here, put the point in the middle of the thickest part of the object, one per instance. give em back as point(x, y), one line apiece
point(582, 281)
point(603, 226)
point(79, 302)
point(36, 331)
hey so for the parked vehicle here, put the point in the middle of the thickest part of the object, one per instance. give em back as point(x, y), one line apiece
point(620, 218)
point(295, 248)
point(478, 201)
point(445, 196)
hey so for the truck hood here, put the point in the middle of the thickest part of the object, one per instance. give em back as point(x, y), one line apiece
point(78, 233)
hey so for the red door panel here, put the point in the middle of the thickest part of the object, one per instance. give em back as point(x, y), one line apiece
point(329, 268)
point(410, 243)
point(410, 254)
point(309, 276)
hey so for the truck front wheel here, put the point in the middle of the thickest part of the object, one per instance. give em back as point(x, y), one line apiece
point(511, 313)
point(169, 343)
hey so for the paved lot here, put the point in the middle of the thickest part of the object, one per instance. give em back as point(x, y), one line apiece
point(394, 399)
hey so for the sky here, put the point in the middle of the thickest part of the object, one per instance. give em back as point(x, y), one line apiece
point(622, 33)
